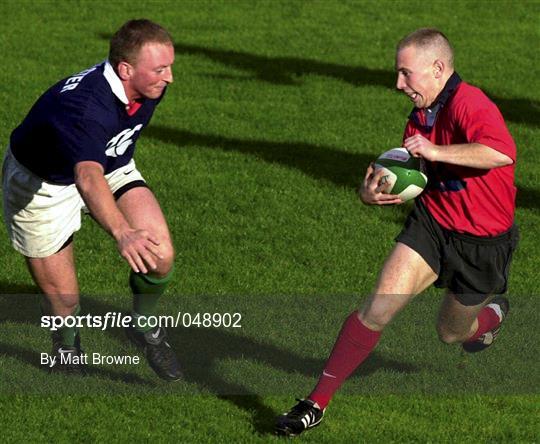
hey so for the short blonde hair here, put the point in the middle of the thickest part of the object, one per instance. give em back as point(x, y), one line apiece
point(429, 38)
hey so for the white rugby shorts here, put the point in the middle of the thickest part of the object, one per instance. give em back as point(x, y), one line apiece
point(41, 216)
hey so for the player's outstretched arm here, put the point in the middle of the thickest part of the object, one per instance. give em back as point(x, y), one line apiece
point(138, 247)
point(371, 193)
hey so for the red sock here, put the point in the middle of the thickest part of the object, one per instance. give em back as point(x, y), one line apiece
point(354, 343)
point(488, 319)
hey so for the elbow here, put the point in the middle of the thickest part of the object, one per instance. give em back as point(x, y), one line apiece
point(493, 158)
point(501, 160)
point(86, 174)
point(83, 183)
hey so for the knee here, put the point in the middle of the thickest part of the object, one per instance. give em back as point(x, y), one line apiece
point(375, 319)
point(166, 262)
point(379, 309)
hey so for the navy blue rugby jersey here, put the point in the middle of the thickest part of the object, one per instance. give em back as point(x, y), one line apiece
point(82, 117)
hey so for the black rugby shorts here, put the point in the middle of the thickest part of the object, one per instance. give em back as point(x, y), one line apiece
point(471, 267)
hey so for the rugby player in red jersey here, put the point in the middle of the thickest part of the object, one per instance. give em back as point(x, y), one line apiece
point(460, 234)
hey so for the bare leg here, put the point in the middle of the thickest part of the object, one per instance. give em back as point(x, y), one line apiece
point(404, 275)
point(142, 211)
point(457, 322)
point(55, 276)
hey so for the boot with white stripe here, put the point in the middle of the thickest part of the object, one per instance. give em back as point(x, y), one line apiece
point(304, 415)
point(501, 305)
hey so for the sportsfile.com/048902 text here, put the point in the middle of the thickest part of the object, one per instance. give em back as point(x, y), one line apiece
point(119, 320)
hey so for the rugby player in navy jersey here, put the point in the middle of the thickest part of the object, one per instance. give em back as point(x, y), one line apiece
point(73, 152)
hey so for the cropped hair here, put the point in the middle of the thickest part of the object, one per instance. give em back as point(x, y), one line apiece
point(428, 38)
point(129, 39)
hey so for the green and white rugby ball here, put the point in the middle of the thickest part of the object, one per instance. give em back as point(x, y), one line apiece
point(403, 172)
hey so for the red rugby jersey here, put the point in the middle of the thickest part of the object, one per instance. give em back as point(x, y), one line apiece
point(469, 200)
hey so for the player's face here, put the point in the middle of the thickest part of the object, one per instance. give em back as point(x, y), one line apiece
point(416, 76)
point(152, 71)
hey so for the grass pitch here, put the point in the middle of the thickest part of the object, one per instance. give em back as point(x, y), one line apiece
point(254, 154)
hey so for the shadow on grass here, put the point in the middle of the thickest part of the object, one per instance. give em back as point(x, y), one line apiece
point(528, 197)
point(317, 161)
point(320, 162)
point(200, 350)
point(33, 358)
point(20, 304)
point(288, 70)
point(15, 288)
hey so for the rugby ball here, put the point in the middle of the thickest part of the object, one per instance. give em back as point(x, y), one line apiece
point(403, 172)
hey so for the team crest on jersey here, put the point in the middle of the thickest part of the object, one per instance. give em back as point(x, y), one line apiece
point(121, 142)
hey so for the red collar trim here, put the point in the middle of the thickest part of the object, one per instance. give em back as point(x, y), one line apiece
point(133, 107)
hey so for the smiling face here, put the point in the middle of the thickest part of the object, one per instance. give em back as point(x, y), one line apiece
point(151, 72)
point(420, 75)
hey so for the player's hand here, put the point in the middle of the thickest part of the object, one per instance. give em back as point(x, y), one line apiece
point(371, 193)
point(419, 146)
point(140, 249)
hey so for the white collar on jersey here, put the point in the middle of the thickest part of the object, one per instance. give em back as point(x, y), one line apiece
point(115, 83)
